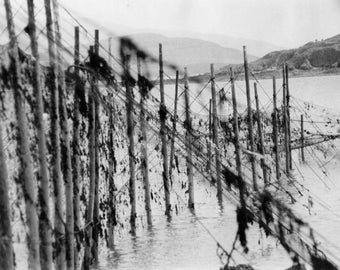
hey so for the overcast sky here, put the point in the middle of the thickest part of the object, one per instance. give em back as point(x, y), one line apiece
point(288, 23)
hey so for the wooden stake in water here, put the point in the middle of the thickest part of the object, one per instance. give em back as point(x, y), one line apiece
point(112, 188)
point(76, 148)
point(191, 203)
point(210, 137)
point(43, 177)
point(237, 139)
point(250, 119)
point(23, 148)
point(65, 146)
point(131, 134)
point(110, 47)
point(144, 144)
point(215, 134)
point(261, 140)
point(285, 121)
point(172, 148)
point(59, 228)
point(288, 118)
point(6, 247)
point(302, 140)
point(95, 233)
point(92, 169)
point(275, 132)
point(162, 114)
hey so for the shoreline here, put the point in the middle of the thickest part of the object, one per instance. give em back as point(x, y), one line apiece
point(263, 75)
point(296, 73)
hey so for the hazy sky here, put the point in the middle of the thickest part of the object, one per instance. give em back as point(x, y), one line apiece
point(287, 23)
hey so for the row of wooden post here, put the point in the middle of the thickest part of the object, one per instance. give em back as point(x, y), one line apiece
point(67, 255)
point(69, 173)
point(144, 148)
point(286, 121)
point(261, 150)
point(25, 158)
point(213, 128)
point(40, 252)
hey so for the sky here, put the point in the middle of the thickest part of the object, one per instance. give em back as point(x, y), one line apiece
point(286, 23)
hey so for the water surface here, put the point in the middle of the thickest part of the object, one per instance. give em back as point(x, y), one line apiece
point(187, 242)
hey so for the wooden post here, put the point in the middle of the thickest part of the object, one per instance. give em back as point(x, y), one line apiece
point(23, 148)
point(76, 148)
point(43, 177)
point(56, 176)
point(95, 233)
point(302, 140)
point(65, 146)
point(209, 137)
point(288, 118)
point(285, 122)
point(144, 145)
point(261, 140)
point(237, 139)
point(109, 56)
point(131, 134)
point(162, 114)
point(96, 42)
point(172, 148)
point(250, 119)
point(215, 134)
point(6, 247)
point(112, 188)
point(275, 132)
point(96, 220)
point(92, 168)
point(191, 203)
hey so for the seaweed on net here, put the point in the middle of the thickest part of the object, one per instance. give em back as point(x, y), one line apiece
point(266, 208)
point(144, 84)
point(2, 96)
point(286, 226)
point(126, 44)
point(230, 178)
point(163, 113)
point(99, 65)
point(321, 263)
point(128, 79)
point(5, 76)
point(243, 216)
point(79, 90)
point(295, 225)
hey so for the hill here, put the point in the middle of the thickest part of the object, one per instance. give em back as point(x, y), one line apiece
point(257, 48)
point(196, 54)
point(312, 59)
point(314, 54)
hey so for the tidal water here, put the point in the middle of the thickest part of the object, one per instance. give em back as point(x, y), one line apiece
point(190, 242)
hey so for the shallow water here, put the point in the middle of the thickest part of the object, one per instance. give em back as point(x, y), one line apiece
point(187, 242)
point(322, 91)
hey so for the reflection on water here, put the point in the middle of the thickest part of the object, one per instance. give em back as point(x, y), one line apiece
point(184, 243)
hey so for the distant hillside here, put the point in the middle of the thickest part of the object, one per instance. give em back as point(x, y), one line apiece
point(314, 54)
point(257, 48)
point(195, 54)
point(315, 58)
